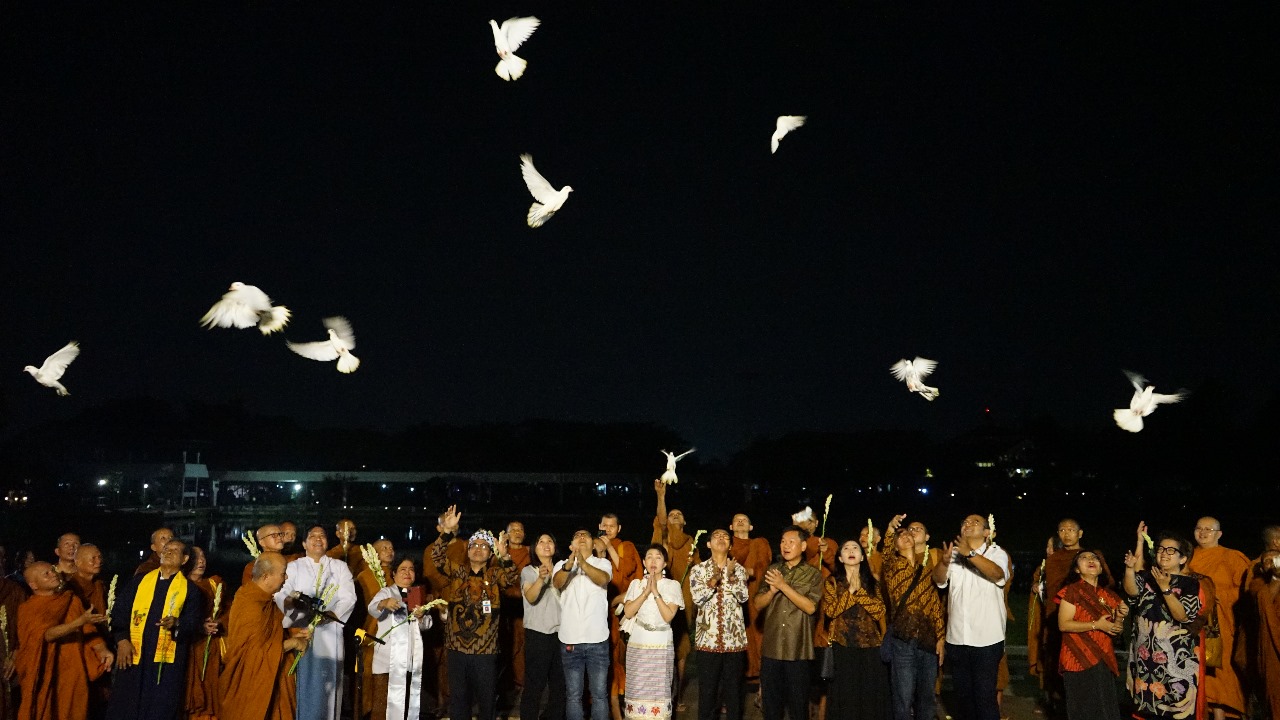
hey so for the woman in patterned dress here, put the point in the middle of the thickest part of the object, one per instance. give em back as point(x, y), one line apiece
point(1090, 614)
point(650, 604)
point(1165, 670)
point(850, 598)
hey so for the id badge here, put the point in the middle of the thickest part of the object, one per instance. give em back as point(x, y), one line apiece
point(486, 607)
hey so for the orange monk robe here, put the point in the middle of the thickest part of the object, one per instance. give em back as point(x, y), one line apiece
point(754, 555)
point(353, 557)
point(53, 677)
point(246, 577)
point(11, 596)
point(1267, 603)
point(202, 701)
point(254, 684)
point(681, 554)
point(93, 593)
point(146, 566)
point(628, 568)
point(1228, 569)
point(367, 586)
point(511, 639)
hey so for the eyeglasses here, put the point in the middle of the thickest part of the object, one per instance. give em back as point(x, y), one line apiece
point(1167, 550)
point(277, 534)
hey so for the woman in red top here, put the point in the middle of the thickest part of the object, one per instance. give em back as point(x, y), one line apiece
point(1090, 614)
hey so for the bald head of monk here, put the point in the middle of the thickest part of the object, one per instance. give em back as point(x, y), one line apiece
point(270, 538)
point(1208, 532)
point(42, 578)
point(65, 551)
point(269, 572)
point(1069, 534)
point(88, 561)
point(346, 531)
point(1271, 538)
point(160, 538)
point(386, 551)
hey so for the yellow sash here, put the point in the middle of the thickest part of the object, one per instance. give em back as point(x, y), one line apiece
point(174, 599)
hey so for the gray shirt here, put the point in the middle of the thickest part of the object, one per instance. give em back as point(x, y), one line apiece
point(543, 617)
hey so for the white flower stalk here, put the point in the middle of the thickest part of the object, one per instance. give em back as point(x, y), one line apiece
point(217, 604)
point(375, 565)
point(111, 598)
point(251, 543)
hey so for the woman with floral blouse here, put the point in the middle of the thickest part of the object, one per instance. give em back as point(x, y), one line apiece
point(860, 688)
point(1165, 673)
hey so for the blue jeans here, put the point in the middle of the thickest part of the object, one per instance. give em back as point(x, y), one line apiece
point(594, 659)
point(912, 674)
point(973, 674)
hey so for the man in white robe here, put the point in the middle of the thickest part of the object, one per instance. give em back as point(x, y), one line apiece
point(325, 579)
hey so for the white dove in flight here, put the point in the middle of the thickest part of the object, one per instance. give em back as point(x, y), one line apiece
point(507, 39)
point(669, 476)
point(913, 373)
point(244, 306)
point(54, 366)
point(1143, 403)
point(338, 347)
point(549, 199)
point(786, 123)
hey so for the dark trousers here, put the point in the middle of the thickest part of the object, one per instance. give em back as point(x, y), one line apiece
point(785, 686)
point(720, 676)
point(472, 678)
point(913, 673)
point(973, 674)
point(542, 670)
point(1091, 694)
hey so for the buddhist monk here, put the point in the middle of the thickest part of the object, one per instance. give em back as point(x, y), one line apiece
point(292, 548)
point(203, 670)
point(65, 552)
point(270, 539)
point(11, 596)
point(347, 549)
point(154, 621)
point(58, 649)
point(626, 564)
point(1228, 569)
point(92, 592)
point(1059, 559)
point(754, 555)
point(255, 684)
point(817, 553)
point(869, 538)
point(367, 585)
point(1264, 586)
point(668, 531)
point(159, 538)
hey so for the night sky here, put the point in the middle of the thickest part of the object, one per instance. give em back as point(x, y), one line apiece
point(1036, 200)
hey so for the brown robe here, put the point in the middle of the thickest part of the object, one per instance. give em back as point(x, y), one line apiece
point(1228, 569)
point(680, 555)
point(151, 563)
point(1267, 603)
point(366, 587)
point(511, 639)
point(11, 596)
point(254, 684)
point(754, 555)
point(628, 568)
point(831, 550)
point(53, 677)
point(203, 700)
point(354, 557)
point(93, 593)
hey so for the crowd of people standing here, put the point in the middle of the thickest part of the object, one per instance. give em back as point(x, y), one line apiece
point(835, 630)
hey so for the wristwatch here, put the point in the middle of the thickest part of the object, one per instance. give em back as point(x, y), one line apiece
point(1168, 591)
point(972, 552)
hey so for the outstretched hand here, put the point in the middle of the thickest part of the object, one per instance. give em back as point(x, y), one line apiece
point(948, 553)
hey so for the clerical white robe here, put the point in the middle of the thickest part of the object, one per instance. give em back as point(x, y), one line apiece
point(401, 657)
point(320, 670)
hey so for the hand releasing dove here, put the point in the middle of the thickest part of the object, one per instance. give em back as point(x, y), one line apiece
point(913, 372)
point(1144, 403)
point(54, 366)
point(338, 347)
point(507, 39)
point(549, 199)
point(669, 476)
point(244, 306)
point(786, 123)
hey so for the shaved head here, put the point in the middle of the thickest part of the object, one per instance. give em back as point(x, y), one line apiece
point(1208, 532)
point(271, 537)
point(267, 563)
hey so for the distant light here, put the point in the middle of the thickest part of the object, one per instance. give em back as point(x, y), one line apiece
point(146, 485)
point(102, 481)
point(410, 488)
point(297, 487)
point(384, 486)
point(924, 491)
point(953, 494)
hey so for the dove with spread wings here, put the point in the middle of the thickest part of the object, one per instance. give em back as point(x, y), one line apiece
point(1143, 403)
point(54, 366)
point(669, 476)
point(549, 200)
point(913, 373)
point(786, 123)
point(508, 38)
point(245, 306)
point(342, 340)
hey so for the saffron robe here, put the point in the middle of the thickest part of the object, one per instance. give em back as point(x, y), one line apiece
point(202, 692)
point(754, 555)
point(681, 554)
point(11, 596)
point(629, 567)
point(136, 694)
point(53, 677)
point(1228, 569)
point(254, 684)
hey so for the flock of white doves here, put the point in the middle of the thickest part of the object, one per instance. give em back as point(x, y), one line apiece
point(245, 306)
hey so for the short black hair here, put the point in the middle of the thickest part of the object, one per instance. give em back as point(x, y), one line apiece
point(666, 559)
point(804, 534)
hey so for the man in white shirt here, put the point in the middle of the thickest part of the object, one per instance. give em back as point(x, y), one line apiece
point(584, 626)
point(974, 571)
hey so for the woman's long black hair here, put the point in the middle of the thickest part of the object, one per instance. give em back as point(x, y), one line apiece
point(864, 572)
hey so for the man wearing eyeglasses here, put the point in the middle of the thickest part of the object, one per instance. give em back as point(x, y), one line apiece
point(270, 539)
point(1227, 568)
point(974, 571)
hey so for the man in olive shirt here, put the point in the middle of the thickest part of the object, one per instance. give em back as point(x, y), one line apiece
point(788, 599)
